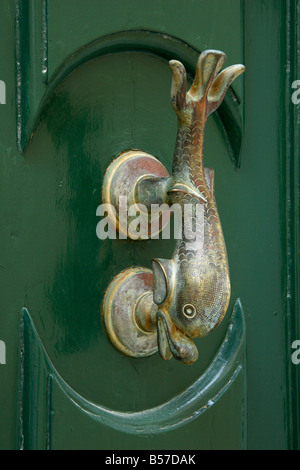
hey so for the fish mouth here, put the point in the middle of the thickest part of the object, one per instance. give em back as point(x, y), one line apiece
point(173, 342)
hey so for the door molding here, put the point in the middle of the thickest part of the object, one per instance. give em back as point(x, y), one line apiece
point(33, 89)
point(38, 375)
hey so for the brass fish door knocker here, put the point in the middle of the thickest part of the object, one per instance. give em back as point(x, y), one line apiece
point(187, 296)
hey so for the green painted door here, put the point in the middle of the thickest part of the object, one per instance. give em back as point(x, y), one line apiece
point(82, 81)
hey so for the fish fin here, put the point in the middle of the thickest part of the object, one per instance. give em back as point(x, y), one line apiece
point(209, 64)
point(162, 340)
point(178, 88)
point(162, 279)
point(187, 189)
point(221, 84)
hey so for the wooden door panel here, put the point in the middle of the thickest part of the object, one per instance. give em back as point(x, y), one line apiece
point(109, 103)
point(104, 95)
point(52, 415)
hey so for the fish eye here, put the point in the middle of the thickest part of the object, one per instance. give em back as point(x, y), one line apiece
point(189, 310)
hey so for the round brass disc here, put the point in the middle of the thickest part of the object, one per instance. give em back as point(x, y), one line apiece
point(118, 309)
point(120, 180)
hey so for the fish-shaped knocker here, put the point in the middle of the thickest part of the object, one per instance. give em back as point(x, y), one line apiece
point(191, 292)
